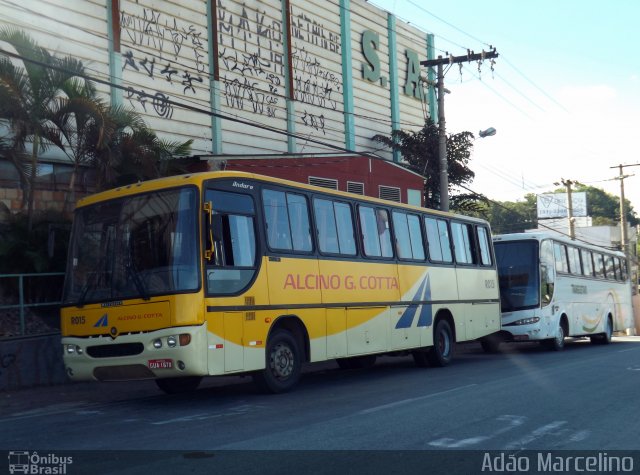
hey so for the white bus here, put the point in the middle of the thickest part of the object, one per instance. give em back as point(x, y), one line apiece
point(552, 287)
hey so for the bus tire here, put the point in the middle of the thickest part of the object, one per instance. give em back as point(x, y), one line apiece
point(282, 366)
point(357, 362)
point(604, 338)
point(178, 385)
point(441, 353)
point(491, 344)
point(556, 343)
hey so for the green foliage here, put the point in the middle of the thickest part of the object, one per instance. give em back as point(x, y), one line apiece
point(420, 152)
point(41, 249)
point(48, 102)
point(509, 216)
point(27, 96)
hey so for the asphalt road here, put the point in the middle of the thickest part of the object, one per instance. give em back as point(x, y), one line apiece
point(525, 399)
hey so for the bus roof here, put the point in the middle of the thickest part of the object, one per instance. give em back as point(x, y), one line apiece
point(199, 178)
point(540, 235)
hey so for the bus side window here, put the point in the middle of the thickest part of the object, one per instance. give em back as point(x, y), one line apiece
point(384, 232)
point(574, 260)
point(587, 262)
point(560, 252)
point(233, 263)
point(463, 243)
point(370, 233)
point(438, 240)
point(485, 252)
point(547, 276)
point(599, 265)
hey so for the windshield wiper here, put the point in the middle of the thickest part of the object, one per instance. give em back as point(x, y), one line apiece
point(137, 281)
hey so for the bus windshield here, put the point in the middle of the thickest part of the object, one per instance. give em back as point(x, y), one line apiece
point(134, 247)
point(518, 274)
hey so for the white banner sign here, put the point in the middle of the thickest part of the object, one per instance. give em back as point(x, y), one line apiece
point(555, 205)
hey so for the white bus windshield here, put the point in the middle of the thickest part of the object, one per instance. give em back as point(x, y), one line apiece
point(134, 247)
point(518, 271)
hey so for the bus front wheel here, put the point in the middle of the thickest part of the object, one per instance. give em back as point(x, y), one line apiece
point(282, 366)
point(441, 353)
point(557, 343)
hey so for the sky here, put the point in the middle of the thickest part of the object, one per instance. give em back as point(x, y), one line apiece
point(564, 96)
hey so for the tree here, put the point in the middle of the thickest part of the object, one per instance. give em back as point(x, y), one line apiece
point(27, 95)
point(420, 152)
point(509, 216)
point(604, 208)
point(81, 118)
point(129, 151)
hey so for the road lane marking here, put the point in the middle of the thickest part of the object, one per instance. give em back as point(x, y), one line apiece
point(513, 422)
point(409, 401)
point(536, 434)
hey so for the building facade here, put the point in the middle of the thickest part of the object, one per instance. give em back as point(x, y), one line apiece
point(246, 77)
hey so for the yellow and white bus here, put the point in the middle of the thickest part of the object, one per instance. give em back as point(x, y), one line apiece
point(225, 273)
point(553, 287)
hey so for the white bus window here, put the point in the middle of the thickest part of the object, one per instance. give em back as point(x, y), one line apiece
point(623, 269)
point(599, 265)
point(560, 253)
point(574, 260)
point(587, 263)
point(608, 268)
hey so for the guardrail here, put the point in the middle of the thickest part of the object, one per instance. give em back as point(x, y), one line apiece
point(36, 297)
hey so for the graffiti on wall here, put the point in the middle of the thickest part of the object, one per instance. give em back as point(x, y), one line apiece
point(177, 57)
point(315, 83)
point(250, 58)
point(251, 61)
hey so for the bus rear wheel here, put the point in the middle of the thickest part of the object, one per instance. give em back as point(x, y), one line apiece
point(441, 353)
point(282, 366)
point(604, 338)
point(179, 385)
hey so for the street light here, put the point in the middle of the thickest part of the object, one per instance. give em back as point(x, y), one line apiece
point(487, 132)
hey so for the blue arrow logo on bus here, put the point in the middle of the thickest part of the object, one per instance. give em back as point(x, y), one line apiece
point(103, 322)
point(426, 316)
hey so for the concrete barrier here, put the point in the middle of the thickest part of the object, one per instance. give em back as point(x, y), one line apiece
point(31, 361)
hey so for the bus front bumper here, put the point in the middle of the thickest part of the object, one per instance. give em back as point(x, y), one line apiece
point(166, 353)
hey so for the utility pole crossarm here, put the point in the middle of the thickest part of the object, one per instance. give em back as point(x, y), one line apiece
point(471, 56)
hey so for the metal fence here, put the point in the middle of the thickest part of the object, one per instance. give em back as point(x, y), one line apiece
point(30, 303)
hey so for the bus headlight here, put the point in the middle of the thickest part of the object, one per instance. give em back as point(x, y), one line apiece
point(73, 350)
point(527, 321)
point(157, 343)
point(172, 342)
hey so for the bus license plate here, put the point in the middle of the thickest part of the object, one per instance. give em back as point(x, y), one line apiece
point(161, 364)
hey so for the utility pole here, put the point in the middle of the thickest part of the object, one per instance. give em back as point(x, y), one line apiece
point(442, 132)
point(624, 240)
point(567, 184)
